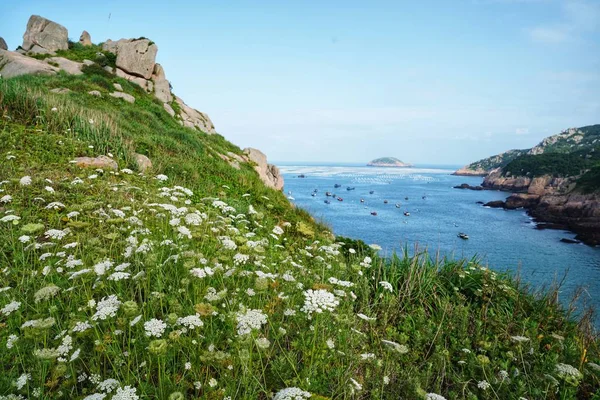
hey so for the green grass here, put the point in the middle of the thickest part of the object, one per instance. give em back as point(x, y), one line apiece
point(402, 327)
point(78, 52)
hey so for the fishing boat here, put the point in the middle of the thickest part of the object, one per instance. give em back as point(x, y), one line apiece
point(313, 194)
point(362, 200)
point(327, 202)
point(350, 188)
point(398, 205)
point(337, 185)
point(385, 202)
point(463, 236)
point(328, 194)
point(371, 192)
point(406, 214)
point(340, 199)
point(373, 212)
point(301, 176)
point(406, 198)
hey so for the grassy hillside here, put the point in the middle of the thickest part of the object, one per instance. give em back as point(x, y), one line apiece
point(194, 280)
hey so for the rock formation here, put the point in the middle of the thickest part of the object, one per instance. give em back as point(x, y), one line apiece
point(96, 162)
point(268, 173)
point(134, 56)
point(3, 45)
point(44, 36)
point(15, 64)
point(85, 38)
point(193, 118)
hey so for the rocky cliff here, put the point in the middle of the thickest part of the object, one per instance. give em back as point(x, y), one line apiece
point(45, 51)
point(552, 201)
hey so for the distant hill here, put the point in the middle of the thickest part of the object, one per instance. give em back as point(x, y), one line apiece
point(388, 162)
point(573, 152)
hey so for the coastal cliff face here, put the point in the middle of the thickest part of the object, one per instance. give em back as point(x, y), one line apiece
point(551, 201)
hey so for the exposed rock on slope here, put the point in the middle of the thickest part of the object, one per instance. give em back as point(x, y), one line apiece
point(269, 173)
point(3, 45)
point(15, 64)
point(134, 56)
point(44, 36)
point(85, 39)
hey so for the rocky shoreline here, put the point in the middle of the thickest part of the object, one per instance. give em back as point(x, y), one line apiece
point(552, 202)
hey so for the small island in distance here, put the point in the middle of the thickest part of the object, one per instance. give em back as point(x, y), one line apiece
point(388, 162)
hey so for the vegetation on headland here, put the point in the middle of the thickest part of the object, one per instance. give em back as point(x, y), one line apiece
point(194, 280)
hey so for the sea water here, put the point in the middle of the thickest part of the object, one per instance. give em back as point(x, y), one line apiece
point(501, 239)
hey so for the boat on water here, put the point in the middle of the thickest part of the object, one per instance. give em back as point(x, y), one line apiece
point(337, 185)
point(328, 194)
point(463, 236)
point(385, 202)
point(340, 199)
point(398, 205)
point(371, 192)
point(313, 194)
point(291, 198)
point(406, 198)
point(362, 200)
point(350, 188)
point(406, 214)
point(327, 202)
point(373, 212)
point(301, 176)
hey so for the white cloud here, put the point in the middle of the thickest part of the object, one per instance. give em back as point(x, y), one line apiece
point(522, 131)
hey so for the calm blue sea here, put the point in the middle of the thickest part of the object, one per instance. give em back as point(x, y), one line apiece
point(501, 239)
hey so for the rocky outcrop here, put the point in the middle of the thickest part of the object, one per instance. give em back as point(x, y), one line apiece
point(15, 64)
point(465, 171)
point(69, 66)
point(134, 56)
point(467, 186)
point(3, 45)
point(143, 83)
point(104, 162)
point(268, 173)
point(162, 87)
point(85, 39)
point(120, 95)
point(44, 36)
point(193, 118)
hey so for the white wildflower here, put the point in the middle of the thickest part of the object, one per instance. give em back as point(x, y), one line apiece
point(154, 327)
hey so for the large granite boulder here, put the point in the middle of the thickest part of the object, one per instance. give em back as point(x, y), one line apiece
point(85, 38)
point(268, 173)
point(3, 45)
point(193, 118)
point(69, 66)
point(143, 83)
point(43, 35)
point(96, 162)
point(162, 88)
point(15, 64)
point(134, 56)
point(120, 95)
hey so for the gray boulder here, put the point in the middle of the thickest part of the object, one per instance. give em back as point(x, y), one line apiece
point(162, 89)
point(45, 34)
point(193, 118)
point(3, 45)
point(69, 66)
point(95, 93)
point(120, 95)
point(85, 38)
point(143, 162)
point(134, 56)
point(60, 90)
point(268, 173)
point(15, 64)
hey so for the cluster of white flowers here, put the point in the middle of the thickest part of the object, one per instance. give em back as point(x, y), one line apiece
point(191, 321)
point(483, 385)
point(291, 393)
point(10, 307)
point(251, 319)
point(519, 339)
point(568, 371)
point(335, 281)
point(56, 233)
point(387, 286)
point(434, 396)
point(126, 393)
point(278, 230)
point(366, 262)
point(161, 177)
point(317, 301)
point(22, 381)
point(25, 181)
point(107, 307)
point(154, 327)
point(202, 272)
point(239, 258)
point(10, 342)
point(400, 348)
point(6, 199)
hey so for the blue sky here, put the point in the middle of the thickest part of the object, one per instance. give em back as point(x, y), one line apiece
point(444, 82)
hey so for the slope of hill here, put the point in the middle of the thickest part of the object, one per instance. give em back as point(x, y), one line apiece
point(182, 275)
